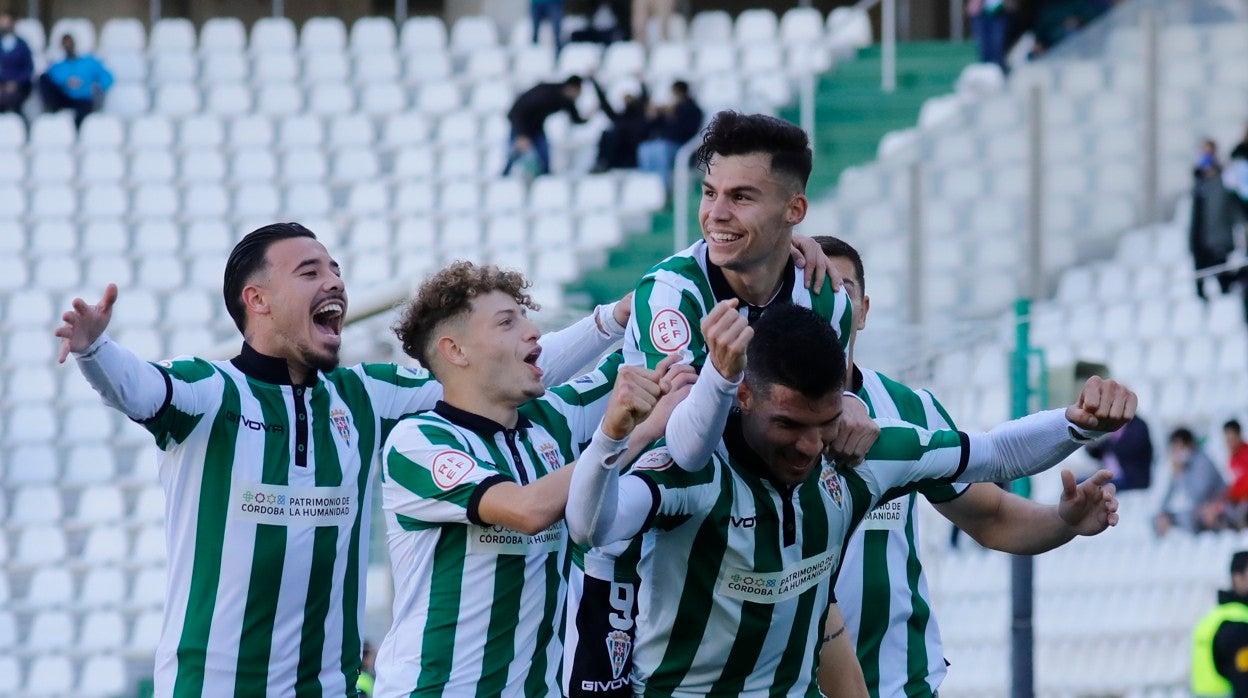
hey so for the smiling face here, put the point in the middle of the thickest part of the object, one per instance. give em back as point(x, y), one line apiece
point(296, 305)
point(787, 429)
point(747, 213)
point(496, 343)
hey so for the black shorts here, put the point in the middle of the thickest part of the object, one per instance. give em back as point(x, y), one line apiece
point(606, 633)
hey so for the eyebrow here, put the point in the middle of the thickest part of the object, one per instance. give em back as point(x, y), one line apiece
point(313, 261)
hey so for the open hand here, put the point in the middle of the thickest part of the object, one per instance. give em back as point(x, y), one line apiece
point(809, 256)
point(1091, 507)
point(85, 323)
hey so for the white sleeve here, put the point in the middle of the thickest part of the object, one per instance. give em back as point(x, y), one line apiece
point(602, 507)
point(1023, 447)
point(125, 382)
point(566, 352)
point(697, 423)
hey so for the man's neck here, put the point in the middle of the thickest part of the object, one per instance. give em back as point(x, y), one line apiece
point(470, 398)
point(757, 286)
point(299, 371)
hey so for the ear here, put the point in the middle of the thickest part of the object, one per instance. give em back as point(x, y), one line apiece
point(861, 320)
point(255, 300)
point(451, 352)
point(796, 211)
point(745, 396)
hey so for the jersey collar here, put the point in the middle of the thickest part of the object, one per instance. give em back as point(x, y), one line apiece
point(855, 375)
point(722, 290)
point(268, 369)
point(475, 422)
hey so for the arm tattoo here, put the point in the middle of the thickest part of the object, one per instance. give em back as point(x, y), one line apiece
point(834, 635)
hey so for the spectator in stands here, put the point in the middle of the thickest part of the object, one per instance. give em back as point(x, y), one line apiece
point(548, 11)
point(77, 82)
point(17, 67)
point(604, 26)
point(646, 10)
point(529, 113)
point(671, 126)
point(1237, 450)
point(617, 147)
point(1214, 213)
point(1220, 640)
point(1236, 177)
point(990, 21)
point(1128, 454)
point(1196, 498)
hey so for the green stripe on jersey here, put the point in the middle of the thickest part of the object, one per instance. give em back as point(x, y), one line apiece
point(447, 580)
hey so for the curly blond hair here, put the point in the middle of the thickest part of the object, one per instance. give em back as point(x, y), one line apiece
point(447, 295)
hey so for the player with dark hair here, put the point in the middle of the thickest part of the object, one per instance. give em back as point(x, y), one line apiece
point(882, 588)
point(474, 490)
point(1220, 640)
point(267, 462)
point(528, 116)
point(742, 551)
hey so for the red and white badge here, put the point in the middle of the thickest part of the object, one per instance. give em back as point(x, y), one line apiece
point(451, 467)
point(658, 459)
point(669, 331)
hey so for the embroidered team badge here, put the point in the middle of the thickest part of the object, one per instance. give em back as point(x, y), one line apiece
point(832, 485)
point(451, 467)
point(618, 647)
point(658, 459)
point(551, 455)
point(339, 418)
point(669, 331)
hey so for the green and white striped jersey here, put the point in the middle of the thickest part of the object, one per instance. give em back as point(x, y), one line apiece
point(267, 487)
point(736, 574)
point(882, 590)
point(672, 298)
point(477, 607)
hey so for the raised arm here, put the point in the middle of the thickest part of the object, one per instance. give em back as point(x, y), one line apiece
point(566, 352)
point(125, 382)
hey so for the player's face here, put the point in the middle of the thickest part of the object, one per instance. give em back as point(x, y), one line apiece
point(787, 429)
point(306, 303)
point(860, 302)
point(500, 344)
point(747, 214)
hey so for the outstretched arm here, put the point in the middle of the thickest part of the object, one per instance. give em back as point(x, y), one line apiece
point(568, 351)
point(125, 382)
point(1003, 521)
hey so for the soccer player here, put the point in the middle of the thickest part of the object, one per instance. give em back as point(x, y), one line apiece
point(882, 590)
point(734, 592)
point(753, 195)
point(266, 461)
point(474, 491)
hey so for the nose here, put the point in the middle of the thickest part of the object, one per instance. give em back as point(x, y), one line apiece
point(717, 209)
point(531, 331)
point(809, 444)
point(335, 283)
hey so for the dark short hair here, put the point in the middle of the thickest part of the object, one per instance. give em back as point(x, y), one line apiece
point(681, 87)
point(1233, 425)
point(795, 348)
point(1184, 436)
point(448, 294)
point(1239, 562)
point(247, 258)
point(734, 133)
point(573, 81)
point(836, 247)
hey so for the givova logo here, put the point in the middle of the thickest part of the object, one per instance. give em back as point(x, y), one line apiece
point(253, 424)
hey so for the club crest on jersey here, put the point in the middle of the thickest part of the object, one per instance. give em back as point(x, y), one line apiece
point(832, 484)
point(339, 418)
point(551, 455)
point(669, 331)
point(451, 467)
point(658, 459)
point(618, 647)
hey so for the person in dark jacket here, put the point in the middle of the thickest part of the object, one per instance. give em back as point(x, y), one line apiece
point(529, 113)
point(17, 67)
point(1214, 213)
point(671, 126)
point(617, 147)
point(1128, 454)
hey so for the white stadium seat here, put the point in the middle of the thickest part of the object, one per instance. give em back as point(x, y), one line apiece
point(50, 588)
point(102, 675)
point(171, 36)
point(322, 34)
point(222, 35)
point(473, 32)
point(122, 34)
point(272, 35)
point(426, 66)
point(48, 673)
point(711, 26)
point(127, 100)
point(372, 35)
point(103, 588)
point(422, 34)
point(376, 67)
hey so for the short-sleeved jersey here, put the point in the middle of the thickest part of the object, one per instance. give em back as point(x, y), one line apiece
point(882, 590)
point(672, 298)
point(735, 581)
point(477, 606)
point(267, 488)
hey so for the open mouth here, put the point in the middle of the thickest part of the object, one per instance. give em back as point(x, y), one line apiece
point(329, 317)
point(531, 360)
point(724, 238)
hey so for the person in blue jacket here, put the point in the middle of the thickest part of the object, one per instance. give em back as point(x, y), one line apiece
point(78, 82)
point(17, 67)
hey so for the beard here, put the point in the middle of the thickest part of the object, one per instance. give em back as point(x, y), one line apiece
point(320, 361)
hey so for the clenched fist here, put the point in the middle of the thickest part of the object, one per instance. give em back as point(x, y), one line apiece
point(1103, 405)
